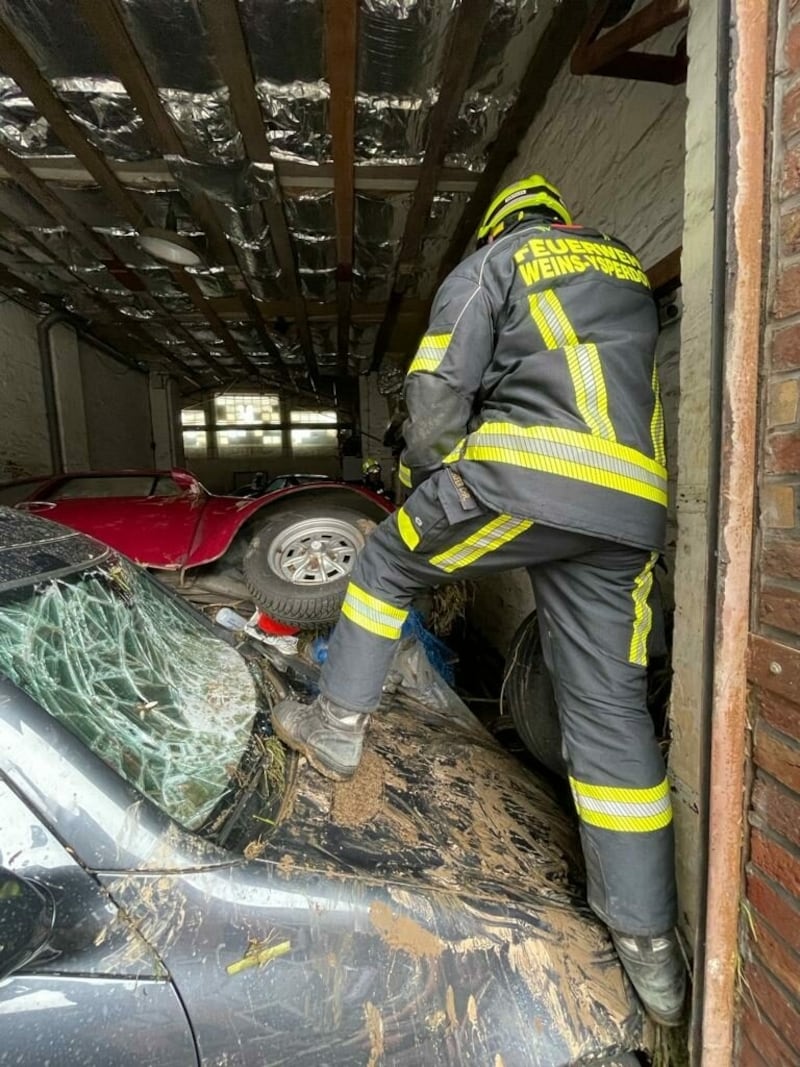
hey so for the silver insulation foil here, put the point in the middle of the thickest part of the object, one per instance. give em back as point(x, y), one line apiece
point(401, 48)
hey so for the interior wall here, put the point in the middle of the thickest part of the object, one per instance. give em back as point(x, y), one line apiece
point(24, 439)
point(103, 408)
point(615, 148)
point(116, 405)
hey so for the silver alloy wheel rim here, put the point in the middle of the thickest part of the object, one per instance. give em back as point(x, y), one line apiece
point(315, 551)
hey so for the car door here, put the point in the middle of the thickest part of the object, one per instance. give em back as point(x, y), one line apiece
point(97, 994)
point(150, 516)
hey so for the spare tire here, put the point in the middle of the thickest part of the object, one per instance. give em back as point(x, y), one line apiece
point(299, 563)
point(528, 697)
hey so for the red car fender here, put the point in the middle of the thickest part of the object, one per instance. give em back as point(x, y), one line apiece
point(223, 516)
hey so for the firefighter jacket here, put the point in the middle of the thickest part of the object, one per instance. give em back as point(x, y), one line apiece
point(536, 381)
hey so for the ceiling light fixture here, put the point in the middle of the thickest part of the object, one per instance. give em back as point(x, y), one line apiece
point(169, 247)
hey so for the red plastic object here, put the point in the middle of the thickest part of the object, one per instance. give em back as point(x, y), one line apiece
point(275, 628)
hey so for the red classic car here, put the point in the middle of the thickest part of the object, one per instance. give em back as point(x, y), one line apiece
point(291, 551)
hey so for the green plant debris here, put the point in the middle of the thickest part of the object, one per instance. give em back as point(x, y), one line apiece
point(259, 954)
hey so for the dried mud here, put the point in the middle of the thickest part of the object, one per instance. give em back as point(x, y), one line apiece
point(357, 801)
point(402, 932)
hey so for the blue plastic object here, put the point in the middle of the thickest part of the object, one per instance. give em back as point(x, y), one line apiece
point(440, 656)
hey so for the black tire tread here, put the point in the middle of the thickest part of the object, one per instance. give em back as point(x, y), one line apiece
point(305, 608)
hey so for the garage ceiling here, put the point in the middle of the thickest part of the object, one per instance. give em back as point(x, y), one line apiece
point(329, 159)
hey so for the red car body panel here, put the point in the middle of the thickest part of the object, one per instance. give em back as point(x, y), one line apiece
point(170, 532)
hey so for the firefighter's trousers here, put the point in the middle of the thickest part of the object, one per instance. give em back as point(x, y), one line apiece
point(592, 601)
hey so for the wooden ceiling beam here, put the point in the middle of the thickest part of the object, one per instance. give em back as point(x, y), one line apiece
point(462, 50)
point(377, 178)
point(19, 65)
point(230, 51)
point(549, 56)
point(341, 47)
point(610, 52)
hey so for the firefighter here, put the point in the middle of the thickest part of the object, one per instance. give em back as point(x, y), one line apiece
point(535, 438)
point(372, 475)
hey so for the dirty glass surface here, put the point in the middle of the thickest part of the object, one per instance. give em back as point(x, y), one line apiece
point(138, 678)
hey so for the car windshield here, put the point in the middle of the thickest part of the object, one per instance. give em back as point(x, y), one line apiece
point(138, 678)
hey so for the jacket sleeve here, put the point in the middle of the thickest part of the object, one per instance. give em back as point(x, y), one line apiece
point(445, 376)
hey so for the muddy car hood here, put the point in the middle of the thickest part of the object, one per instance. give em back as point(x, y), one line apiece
point(436, 804)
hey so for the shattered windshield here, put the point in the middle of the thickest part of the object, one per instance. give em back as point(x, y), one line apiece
point(138, 678)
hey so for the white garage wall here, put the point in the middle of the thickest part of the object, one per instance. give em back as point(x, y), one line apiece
point(103, 407)
point(24, 441)
point(615, 148)
point(117, 411)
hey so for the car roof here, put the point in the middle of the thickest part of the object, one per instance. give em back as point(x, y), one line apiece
point(33, 549)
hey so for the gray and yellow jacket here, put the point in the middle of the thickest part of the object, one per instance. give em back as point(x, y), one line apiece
point(537, 381)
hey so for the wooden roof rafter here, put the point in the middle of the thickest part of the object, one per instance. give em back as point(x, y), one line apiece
point(549, 56)
point(462, 50)
point(612, 53)
point(19, 65)
point(229, 48)
point(341, 48)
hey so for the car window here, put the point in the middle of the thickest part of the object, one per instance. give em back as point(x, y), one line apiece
point(111, 485)
point(138, 678)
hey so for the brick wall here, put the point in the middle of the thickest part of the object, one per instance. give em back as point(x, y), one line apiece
point(769, 1029)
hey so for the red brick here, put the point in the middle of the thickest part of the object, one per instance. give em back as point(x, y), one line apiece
point(793, 47)
point(748, 1057)
point(774, 1002)
point(777, 757)
point(786, 342)
point(780, 559)
point(780, 608)
point(780, 713)
point(787, 292)
point(760, 1033)
point(790, 114)
point(774, 666)
point(790, 233)
point(783, 963)
point(778, 510)
point(777, 809)
point(778, 863)
point(781, 911)
point(790, 182)
point(783, 453)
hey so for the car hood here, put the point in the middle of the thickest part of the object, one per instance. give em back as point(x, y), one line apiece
point(436, 803)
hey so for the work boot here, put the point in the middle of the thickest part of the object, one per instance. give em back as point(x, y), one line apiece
point(656, 969)
point(330, 737)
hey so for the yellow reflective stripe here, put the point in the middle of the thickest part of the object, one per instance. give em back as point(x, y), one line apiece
point(570, 454)
point(498, 532)
point(404, 474)
point(542, 325)
point(622, 794)
point(632, 824)
point(575, 442)
point(366, 622)
point(626, 809)
point(657, 421)
point(372, 614)
point(583, 362)
point(356, 593)
point(431, 352)
point(642, 613)
point(407, 530)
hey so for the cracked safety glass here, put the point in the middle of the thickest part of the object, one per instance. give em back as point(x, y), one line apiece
point(138, 678)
